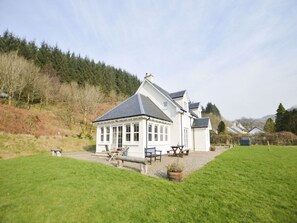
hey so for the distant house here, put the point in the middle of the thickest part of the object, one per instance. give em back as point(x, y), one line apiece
point(237, 128)
point(152, 117)
point(256, 130)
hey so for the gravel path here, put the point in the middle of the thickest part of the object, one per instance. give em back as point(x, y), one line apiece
point(193, 162)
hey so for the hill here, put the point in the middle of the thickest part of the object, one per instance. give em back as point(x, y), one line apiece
point(69, 67)
point(25, 132)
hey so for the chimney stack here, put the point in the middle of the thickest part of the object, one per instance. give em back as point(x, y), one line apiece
point(149, 77)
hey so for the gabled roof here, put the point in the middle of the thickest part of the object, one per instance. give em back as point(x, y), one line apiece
point(178, 94)
point(136, 105)
point(194, 105)
point(166, 94)
point(200, 123)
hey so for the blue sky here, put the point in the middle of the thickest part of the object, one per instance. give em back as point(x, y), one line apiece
point(239, 55)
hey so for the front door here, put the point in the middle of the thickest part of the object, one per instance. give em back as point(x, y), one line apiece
point(117, 136)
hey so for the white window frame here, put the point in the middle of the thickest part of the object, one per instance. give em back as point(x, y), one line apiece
point(156, 133)
point(150, 132)
point(102, 134)
point(166, 133)
point(107, 134)
point(128, 133)
point(161, 133)
point(136, 133)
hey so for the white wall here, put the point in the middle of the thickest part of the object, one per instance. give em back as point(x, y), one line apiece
point(135, 147)
point(202, 139)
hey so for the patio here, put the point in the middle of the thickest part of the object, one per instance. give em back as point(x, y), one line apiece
point(192, 162)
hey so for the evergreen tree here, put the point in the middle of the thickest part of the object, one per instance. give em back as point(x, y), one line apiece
point(221, 127)
point(289, 121)
point(279, 124)
point(212, 108)
point(70, 67)
point(269, 125)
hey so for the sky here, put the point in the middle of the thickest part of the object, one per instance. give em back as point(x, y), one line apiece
point(239, 55)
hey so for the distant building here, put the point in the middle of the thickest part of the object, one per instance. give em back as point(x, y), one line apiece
point(256, 130)
point(237, 128)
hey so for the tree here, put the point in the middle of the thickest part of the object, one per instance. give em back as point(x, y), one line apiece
point(289, 121)
point(212, 108)
point(221, 127)
point(269, 125)
point(17, 76)
point(279, 125)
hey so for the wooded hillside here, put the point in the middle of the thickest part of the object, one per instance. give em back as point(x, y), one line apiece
point(69, 67)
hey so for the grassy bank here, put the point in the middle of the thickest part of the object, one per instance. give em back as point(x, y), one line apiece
point(14, 145)
point(251, 184)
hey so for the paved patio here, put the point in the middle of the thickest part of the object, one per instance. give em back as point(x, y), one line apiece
point(193, 162)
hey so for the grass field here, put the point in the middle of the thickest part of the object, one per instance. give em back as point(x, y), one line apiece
point(250, 184)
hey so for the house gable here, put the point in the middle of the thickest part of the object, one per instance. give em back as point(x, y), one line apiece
point(136, 105)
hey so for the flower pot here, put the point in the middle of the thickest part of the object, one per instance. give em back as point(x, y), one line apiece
point(175, 176)
point(125, 153)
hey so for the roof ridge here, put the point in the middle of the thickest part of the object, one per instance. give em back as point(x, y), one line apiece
point(140, 103)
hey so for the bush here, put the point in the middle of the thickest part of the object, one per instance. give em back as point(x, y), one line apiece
point(275, 138)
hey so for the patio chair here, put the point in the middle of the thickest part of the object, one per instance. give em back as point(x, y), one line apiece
point(111, 154)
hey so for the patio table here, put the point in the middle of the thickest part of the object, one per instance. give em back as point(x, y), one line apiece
point(177, 150)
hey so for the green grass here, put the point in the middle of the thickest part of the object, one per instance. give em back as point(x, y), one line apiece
point(249, 184)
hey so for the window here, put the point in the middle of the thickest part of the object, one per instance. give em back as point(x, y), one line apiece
point(114, 136)
point(102, 134)
point(186, 136)
point(128, 133)
point(107, 134)
point(156, 133)
point(166, 133)
point(161, 133)
point(150, 132)
point(136, 132)
point(165, 104)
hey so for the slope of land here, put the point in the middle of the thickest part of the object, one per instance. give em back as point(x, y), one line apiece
point(25, 132)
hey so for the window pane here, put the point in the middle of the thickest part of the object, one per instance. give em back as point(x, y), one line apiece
point(136, 132)
point(150, 132)
point(102, 134)
point(156, 133)
point(107, 134)
point(128, 133)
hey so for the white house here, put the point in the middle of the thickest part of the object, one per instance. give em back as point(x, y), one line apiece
point(152, 117)
point(256, 130)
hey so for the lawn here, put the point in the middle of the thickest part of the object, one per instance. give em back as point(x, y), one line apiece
point(244, 184)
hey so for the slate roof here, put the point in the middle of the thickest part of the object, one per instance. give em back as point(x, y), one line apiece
point(178, 94)
point(194, 105)
point(136, 105)
point(200, 123)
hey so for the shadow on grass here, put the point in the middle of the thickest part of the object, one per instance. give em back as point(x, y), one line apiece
point(90, 148)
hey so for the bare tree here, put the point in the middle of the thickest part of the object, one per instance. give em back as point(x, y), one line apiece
point(17, 76)
point(10, 71)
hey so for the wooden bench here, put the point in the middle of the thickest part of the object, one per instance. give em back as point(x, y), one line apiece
point(141, 161)
point(152, 153)
point(56, 152)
